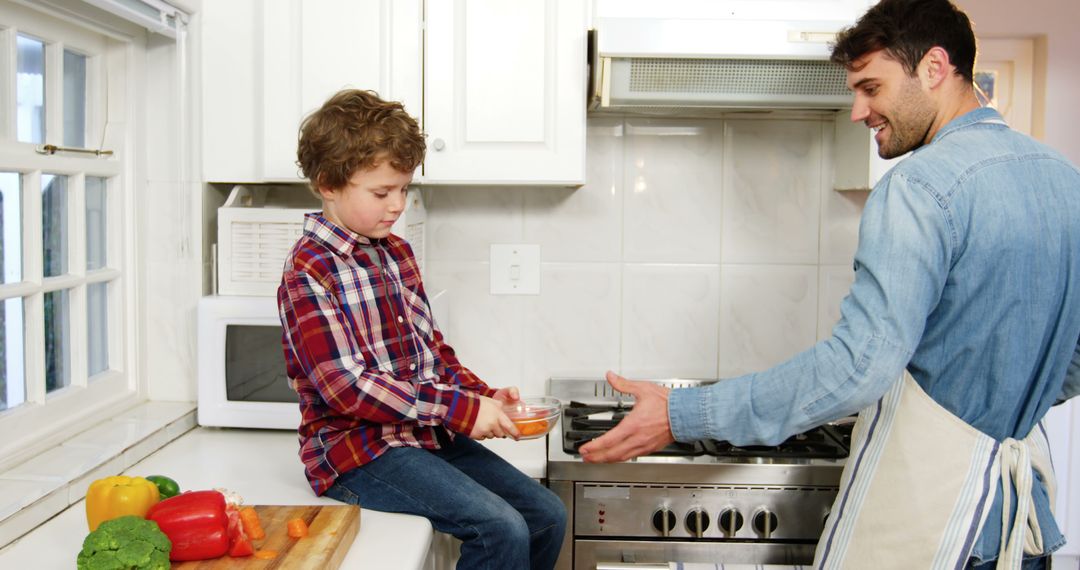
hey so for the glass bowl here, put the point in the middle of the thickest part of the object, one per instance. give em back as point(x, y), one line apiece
point(534, 416)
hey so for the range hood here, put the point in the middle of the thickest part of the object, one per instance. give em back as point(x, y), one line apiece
point(644, 64)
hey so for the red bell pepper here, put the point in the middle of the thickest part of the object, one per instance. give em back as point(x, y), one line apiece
point(195, 522)
point(239, 545)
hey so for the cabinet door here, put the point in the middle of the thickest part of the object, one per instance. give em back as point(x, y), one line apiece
point(313, 48)
point(504, 91)
point(268, 64)
point(228, 38)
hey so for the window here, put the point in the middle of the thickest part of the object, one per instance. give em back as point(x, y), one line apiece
point(64, 294)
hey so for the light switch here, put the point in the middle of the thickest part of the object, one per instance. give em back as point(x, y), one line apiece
point(515, 269)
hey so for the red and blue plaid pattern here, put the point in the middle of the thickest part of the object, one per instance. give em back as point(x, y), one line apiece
point(363, 353)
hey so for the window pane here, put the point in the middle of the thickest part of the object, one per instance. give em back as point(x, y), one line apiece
point(30, 90)
point(97, 327)
point(95, 222)
point(11, 226)
point(54, 223)
point(12, 383)
point(57, 341)
point(74, 99)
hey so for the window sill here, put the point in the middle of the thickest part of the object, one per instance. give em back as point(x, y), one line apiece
point(38, 489)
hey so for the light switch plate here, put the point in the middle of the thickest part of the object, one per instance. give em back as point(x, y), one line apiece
point(515, 269)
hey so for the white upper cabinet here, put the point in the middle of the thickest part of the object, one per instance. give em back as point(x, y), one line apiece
point(504, 91)
point(268, 63)
point(499, 87)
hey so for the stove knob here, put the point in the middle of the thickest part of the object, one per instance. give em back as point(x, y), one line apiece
point(730, 521)
point(663, 520)
point(765, 522)
point(697, 522)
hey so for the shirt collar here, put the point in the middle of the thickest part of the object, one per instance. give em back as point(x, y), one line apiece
point(335, 237)
point(986, 115)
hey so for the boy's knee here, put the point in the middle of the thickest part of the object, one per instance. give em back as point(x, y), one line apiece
point(513, 527)
point(554, 511)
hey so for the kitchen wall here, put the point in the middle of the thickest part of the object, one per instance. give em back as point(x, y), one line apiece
point(698, 248)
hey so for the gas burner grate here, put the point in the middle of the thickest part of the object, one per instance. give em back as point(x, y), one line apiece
point(818, 443)
point(574, 439)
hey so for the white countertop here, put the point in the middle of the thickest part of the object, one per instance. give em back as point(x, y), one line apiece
point(263, 467)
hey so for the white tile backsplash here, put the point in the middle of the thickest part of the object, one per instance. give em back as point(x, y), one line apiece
point(583, 224)
point(464, 222)
point(485, 330)
point(573, 327)
point(768, 313)
point(670, 318)
point(672, 189)
point(697, 248)
point(840, 225)
point(772, 191)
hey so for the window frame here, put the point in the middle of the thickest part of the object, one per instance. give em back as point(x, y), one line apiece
point(44, 419)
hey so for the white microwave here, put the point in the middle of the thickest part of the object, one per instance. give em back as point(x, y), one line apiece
point(242, 378)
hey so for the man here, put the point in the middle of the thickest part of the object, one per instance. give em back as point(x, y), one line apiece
point(961, 329)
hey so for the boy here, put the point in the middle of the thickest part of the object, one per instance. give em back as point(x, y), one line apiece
point(387, 410)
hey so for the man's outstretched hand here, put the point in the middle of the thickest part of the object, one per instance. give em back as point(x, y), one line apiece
point(644, 430)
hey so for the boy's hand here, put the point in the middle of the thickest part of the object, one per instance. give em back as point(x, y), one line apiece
point(492, 422)
point(507, 395)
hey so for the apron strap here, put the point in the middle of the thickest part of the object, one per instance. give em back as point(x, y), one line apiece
point(1018, 459)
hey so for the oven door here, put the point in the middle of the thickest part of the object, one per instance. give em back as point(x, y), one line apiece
point(665, 554)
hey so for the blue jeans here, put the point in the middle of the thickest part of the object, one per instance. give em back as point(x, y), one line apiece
point(1042, 563)
point(503, 518)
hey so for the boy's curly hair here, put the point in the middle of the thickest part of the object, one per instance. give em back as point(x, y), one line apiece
point(356, 130)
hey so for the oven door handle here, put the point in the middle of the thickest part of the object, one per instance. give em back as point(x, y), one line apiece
point(632, 566)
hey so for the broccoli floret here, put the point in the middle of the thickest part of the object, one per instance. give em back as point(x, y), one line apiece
point(125, 543)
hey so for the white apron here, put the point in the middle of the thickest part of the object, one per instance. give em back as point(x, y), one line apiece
point(918, 485)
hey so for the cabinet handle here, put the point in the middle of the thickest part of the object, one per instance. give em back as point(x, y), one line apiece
point(438, 144)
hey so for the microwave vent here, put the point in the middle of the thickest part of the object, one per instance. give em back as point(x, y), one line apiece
point(257, 226)
point(260, 248)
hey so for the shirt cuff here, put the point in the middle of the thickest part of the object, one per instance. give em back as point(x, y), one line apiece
point(688, 414)
point(462, 407)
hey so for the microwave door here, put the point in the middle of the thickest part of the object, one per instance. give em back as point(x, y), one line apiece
point(255, 365)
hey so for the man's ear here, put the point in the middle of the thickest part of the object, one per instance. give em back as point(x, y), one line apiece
point(935, 67)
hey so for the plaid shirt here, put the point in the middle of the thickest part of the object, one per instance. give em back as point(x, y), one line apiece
point(363, 353)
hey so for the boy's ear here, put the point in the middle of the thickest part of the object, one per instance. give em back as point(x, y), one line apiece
point(326, 192)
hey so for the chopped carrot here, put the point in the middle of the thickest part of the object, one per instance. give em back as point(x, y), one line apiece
point(265, 554)
point(252, 527)
point(297, 528)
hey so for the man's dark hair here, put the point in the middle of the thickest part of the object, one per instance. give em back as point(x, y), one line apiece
point(906, 30)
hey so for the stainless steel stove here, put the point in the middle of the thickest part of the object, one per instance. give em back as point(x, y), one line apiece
point(703, 502)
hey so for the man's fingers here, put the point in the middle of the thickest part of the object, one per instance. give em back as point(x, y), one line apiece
point(619, 383)
point(606, 447)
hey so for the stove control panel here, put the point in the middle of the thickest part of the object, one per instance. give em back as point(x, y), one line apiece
point(706, 512)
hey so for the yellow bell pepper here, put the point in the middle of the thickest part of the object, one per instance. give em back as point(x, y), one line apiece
point(117, 496)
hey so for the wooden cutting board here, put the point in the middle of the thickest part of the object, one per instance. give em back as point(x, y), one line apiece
point(332, 530)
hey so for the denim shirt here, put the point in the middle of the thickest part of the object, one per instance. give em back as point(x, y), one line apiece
point(968, 274)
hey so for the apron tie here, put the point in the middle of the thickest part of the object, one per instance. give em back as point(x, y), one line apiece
point(1017, 463)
